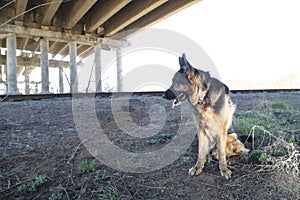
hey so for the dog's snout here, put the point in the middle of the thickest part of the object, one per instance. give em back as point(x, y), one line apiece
point(169, 95)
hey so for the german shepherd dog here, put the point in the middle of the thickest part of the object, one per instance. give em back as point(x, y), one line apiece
point(212, 107)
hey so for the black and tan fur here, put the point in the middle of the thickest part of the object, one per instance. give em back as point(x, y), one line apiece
point(213, 111)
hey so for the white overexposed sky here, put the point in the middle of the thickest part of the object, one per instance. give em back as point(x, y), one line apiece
point(250, 41)
point(254, 44)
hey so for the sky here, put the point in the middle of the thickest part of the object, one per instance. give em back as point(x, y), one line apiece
point(253, 43)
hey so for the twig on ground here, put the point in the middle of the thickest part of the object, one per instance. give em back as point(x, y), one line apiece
point(78, 147)
point(4, 98)
point(74, 153)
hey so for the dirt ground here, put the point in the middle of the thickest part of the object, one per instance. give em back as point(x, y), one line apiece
point(43, 157)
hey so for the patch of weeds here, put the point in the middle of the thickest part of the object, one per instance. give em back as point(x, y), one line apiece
point(4, 174)
point(259, 157)
point(43, 143)
point(33, 185)
point(153, 141)
point(245, 121)
point(293, 121)
point(275, 106)
point(168, 135)
point(185, 160)
point(110, 193)
point(291, 140)
point(55, 196)
point(141, 165)
point(271, 116)
point(264, 158)
point(101, 176)
point(87, 166)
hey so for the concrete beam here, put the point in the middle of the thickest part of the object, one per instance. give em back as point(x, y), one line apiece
point(77, 11)
point(20, 70)
point(25, 43)
point(44, 45)
point(20, 8)
point(11, 45)
point(34, 62)
point(50, 11)
point(100, 13)
point(171, 7)
point(86, 52)
point(54, 46)
point(129, 14)
point(61, 36)
point(73, 67)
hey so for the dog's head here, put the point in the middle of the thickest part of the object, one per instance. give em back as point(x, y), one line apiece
point(186, 82)
point(234, 146)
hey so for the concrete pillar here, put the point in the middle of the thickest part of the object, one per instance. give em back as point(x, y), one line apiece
point(61, 80)
point(119, 71)
point(26, 73)
point(44, 48)
point(1, 73)
point(73, 67)
point(11, 44)
point(5, 71)
point(98, 81)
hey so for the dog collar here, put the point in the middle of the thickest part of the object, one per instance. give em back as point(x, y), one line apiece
point(201, 101)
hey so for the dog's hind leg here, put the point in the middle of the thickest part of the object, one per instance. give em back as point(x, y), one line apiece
point(203, 149)
point(222, 154)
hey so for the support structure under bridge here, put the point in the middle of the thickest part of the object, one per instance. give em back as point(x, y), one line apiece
point(60, 33)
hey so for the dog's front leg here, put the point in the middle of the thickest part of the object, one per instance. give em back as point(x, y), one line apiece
point(222, 155)
point(202, 152)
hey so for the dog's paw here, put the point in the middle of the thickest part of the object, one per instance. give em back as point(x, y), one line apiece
point(225, 172)
point(195, 170)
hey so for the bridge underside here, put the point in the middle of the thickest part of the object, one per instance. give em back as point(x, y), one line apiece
point(43, 32)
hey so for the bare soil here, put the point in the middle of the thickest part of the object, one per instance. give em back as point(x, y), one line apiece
point(43, 157)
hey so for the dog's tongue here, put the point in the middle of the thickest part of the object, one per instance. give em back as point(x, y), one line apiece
point(176, 102)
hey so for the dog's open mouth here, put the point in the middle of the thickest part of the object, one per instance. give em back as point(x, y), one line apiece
point(178, 100)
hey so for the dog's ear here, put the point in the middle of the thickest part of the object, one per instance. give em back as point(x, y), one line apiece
point(205, 76)
point(184, 64)
point(234, 141)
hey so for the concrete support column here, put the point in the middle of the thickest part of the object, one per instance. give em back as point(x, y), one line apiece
point(26, 73)
point(5, 70)
point(1, 74)
point(73, 67)
point(11, 44)
point(44, 48)
point(119, 71)
point(98, 81)
point(61, 80)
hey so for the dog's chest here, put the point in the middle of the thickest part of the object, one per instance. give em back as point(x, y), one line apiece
point(203, 117)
